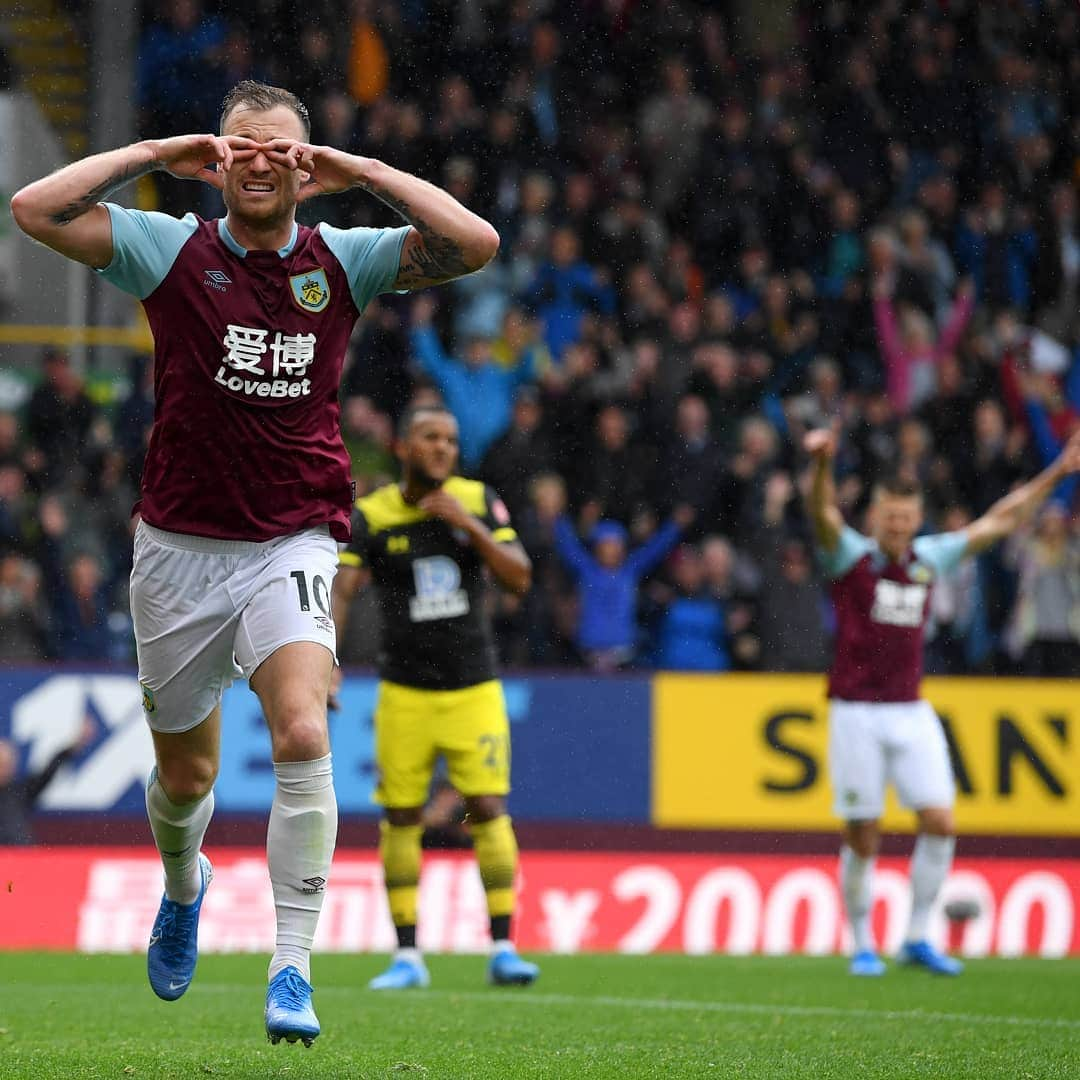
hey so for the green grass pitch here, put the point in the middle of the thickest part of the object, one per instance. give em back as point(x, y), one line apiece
point(79, 1017)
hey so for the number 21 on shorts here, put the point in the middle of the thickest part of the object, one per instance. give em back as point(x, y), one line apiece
point(496, 752)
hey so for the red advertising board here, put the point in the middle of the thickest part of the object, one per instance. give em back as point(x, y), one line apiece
point(104, 900)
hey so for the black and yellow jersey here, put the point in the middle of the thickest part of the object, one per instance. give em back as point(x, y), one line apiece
point(431, 584)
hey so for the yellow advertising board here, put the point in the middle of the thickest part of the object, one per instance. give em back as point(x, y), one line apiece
point(749, 752)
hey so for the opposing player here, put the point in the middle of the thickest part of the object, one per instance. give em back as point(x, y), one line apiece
point(428, 544)
point(880, 730)
point(246, 487)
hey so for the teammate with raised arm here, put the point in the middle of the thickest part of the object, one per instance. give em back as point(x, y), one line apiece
point(880, 730)
point(429, 545)
point(246, 488)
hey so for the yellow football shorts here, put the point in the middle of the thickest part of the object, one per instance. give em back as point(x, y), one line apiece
point(469, 727)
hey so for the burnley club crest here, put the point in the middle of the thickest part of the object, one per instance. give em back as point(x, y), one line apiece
point(310, 289)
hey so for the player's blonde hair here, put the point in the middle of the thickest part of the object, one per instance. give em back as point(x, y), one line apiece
point(249, 94)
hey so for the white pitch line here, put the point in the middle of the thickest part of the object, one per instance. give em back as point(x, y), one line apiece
point(527, 997)
point(523, 996)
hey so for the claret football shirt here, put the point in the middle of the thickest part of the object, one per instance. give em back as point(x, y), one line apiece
point(881, 610)
point(248, 354)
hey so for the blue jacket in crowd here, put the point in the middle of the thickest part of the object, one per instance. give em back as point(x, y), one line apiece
point(608, 595)
point(562, 296)
point(693, 636)
point(481, 398)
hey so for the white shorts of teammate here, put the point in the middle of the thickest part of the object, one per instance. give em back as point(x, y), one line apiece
point(207, 611)
point(873, 744)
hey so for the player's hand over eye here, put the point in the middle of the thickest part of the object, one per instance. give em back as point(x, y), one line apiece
point(190, 157)
point(328, 170)
point(444, 506)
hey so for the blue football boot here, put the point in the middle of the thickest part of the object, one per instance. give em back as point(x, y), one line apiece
point(289, 1014)
point(506, 968)
point(174, 941)
point(406, 972)
point(923, 954)
point(867, 964)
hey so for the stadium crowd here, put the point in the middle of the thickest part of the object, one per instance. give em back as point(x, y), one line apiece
point(706, 251)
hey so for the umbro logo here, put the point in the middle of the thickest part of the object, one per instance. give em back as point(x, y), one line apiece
point(315, 884)
point(217, 279)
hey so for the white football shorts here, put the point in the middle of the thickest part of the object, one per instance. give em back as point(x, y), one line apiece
point(207, 611)
point(872, 744)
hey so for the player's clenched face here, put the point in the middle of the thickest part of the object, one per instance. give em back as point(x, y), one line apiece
point(429, 451)
point(895, 522)
point(256, 189)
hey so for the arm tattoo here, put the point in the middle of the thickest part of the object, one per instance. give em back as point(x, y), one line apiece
point(436, 259)
point(77, 207)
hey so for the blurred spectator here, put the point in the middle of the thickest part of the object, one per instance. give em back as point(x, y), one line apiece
point(23, 621)
point(545, 94)
point(80, 620)
point(476, 389)
point(912, 348)
point(459, 125)
point(791, 607)
point(565, 290)
point(519, 456)
point(956, 639)
point(672, 125)
point(317, 70)
point(1045, 625)
point(369, 439)
point(615, 472)
point(135, 417)
point(608, 580)
point(997, 460)
point(58, 420)
point(549, 606)
point(753, 462)
point(482, 304)
point(691, 632)
point(520, 341)
point(734, 580)
point(20, 793)
point(844, 256)
point(175, 53)
point(1057, 275)
point(375, 370)
point(927, 272)
point(693, 467)
point(996, 247)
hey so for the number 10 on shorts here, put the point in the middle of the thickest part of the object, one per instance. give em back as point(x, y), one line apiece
point(318, 590)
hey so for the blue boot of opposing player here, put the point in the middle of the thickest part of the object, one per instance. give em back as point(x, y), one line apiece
point(406, 972)
point(174, 941)
point(289, 1014)
point(506, 968)
point(923, 954)
point(866, 964)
